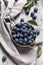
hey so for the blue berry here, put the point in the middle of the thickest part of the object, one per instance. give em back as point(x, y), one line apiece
point(18, 25)
point(21, 20)
point(17, 29)
point(14, 28)
point(24, 31)
point(31, 33)
point(14, 36)
point(25, 34)
point(16, 40)
point(25, 40)
point(28, 32)
point(18, 36)
point(16, 0)
point(13, 32)
point(34, 17)
point(32, 13)
point(38, 32)
point(35, 10)
point(30, 37)
point(30, 42)
point(4, 58)
point(34, 31)
point(34, 36)
point(23, 27)
point(20, 41)
point(21, 35)
point(22, 24)
point(27, 12)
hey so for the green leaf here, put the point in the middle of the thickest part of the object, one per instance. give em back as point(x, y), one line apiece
point(32, 22)
point(39, 52)
point(30, 4)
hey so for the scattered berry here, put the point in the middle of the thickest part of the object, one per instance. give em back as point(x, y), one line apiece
point(32, 14)
point(27, 12)
point(35, 10)
point(4, 58)
point(22, 20)
point(34, 17)
point(16, 0)
point(38, 32)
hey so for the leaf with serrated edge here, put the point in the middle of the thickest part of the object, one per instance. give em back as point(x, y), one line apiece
point(32, 22)
point(39, 52)
point(30, 4)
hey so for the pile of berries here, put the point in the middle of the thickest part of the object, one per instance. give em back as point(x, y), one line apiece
point(32, 13)
point(23, 33)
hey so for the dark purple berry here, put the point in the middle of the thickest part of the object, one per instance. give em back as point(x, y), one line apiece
point(16, 0)
point(35, 10)
point(34, 17)
point(38, 32)
point(27, 12)
point(21, 20)
point(4, 58)
point(32, 13)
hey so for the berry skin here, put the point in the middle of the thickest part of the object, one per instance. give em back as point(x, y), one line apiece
point(24, 31)
point(14, 28)
point(13, 32)
point(30, 41)
point(31, 33)
point(27, 12)
point(17, 29)
point(23, 27)
point(32, 13)
point(16, 40)
point(30, 37)
point(4, 58)
point(34, 36)
point(35, 10)
point(22, 20)
point(25, 40)
point(28, 32)
point(18, 36)
point(14, 36)
point(34, 17)
point(20, 41)
point(16, 0)
point(34, 31)
point(25, 35)
point(21, 35)
point(38, 32)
